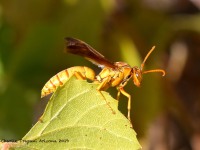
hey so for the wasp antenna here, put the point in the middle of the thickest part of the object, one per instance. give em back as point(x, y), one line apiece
point(148, 54)
point(155, 70)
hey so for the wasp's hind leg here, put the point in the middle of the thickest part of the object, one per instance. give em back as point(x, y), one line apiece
point(78, 75)
point(102, 86)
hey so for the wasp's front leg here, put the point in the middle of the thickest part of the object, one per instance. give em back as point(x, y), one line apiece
point(121, 90)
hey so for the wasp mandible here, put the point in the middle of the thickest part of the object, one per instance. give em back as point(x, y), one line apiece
point(113, 74)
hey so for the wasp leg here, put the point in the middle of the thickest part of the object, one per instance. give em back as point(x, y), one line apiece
point(102, 86)
point(78, 75)
point(129, 102)
point(118, 94)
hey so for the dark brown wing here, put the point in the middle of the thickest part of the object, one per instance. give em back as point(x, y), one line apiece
point(79, 47)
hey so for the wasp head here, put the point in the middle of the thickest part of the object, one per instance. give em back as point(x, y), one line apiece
point(138, 72)
point(137, 76)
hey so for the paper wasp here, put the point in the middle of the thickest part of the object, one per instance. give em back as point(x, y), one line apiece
point(115, 74)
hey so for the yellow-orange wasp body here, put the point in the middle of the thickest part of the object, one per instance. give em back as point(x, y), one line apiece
point(113, 74)
point(81, 72)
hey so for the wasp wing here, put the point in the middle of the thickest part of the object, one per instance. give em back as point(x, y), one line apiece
point(81, 48)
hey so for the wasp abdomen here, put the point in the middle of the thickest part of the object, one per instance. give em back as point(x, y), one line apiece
point(60, 78)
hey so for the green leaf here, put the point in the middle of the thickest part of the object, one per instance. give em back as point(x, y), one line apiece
point(78, 117)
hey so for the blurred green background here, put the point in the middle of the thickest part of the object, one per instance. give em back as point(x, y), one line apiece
point(164, 109)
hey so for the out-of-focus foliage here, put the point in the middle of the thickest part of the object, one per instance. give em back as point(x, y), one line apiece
point(31, 51)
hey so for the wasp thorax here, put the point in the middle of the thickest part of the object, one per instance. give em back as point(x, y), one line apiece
point(121, 64)
point(137, 76)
